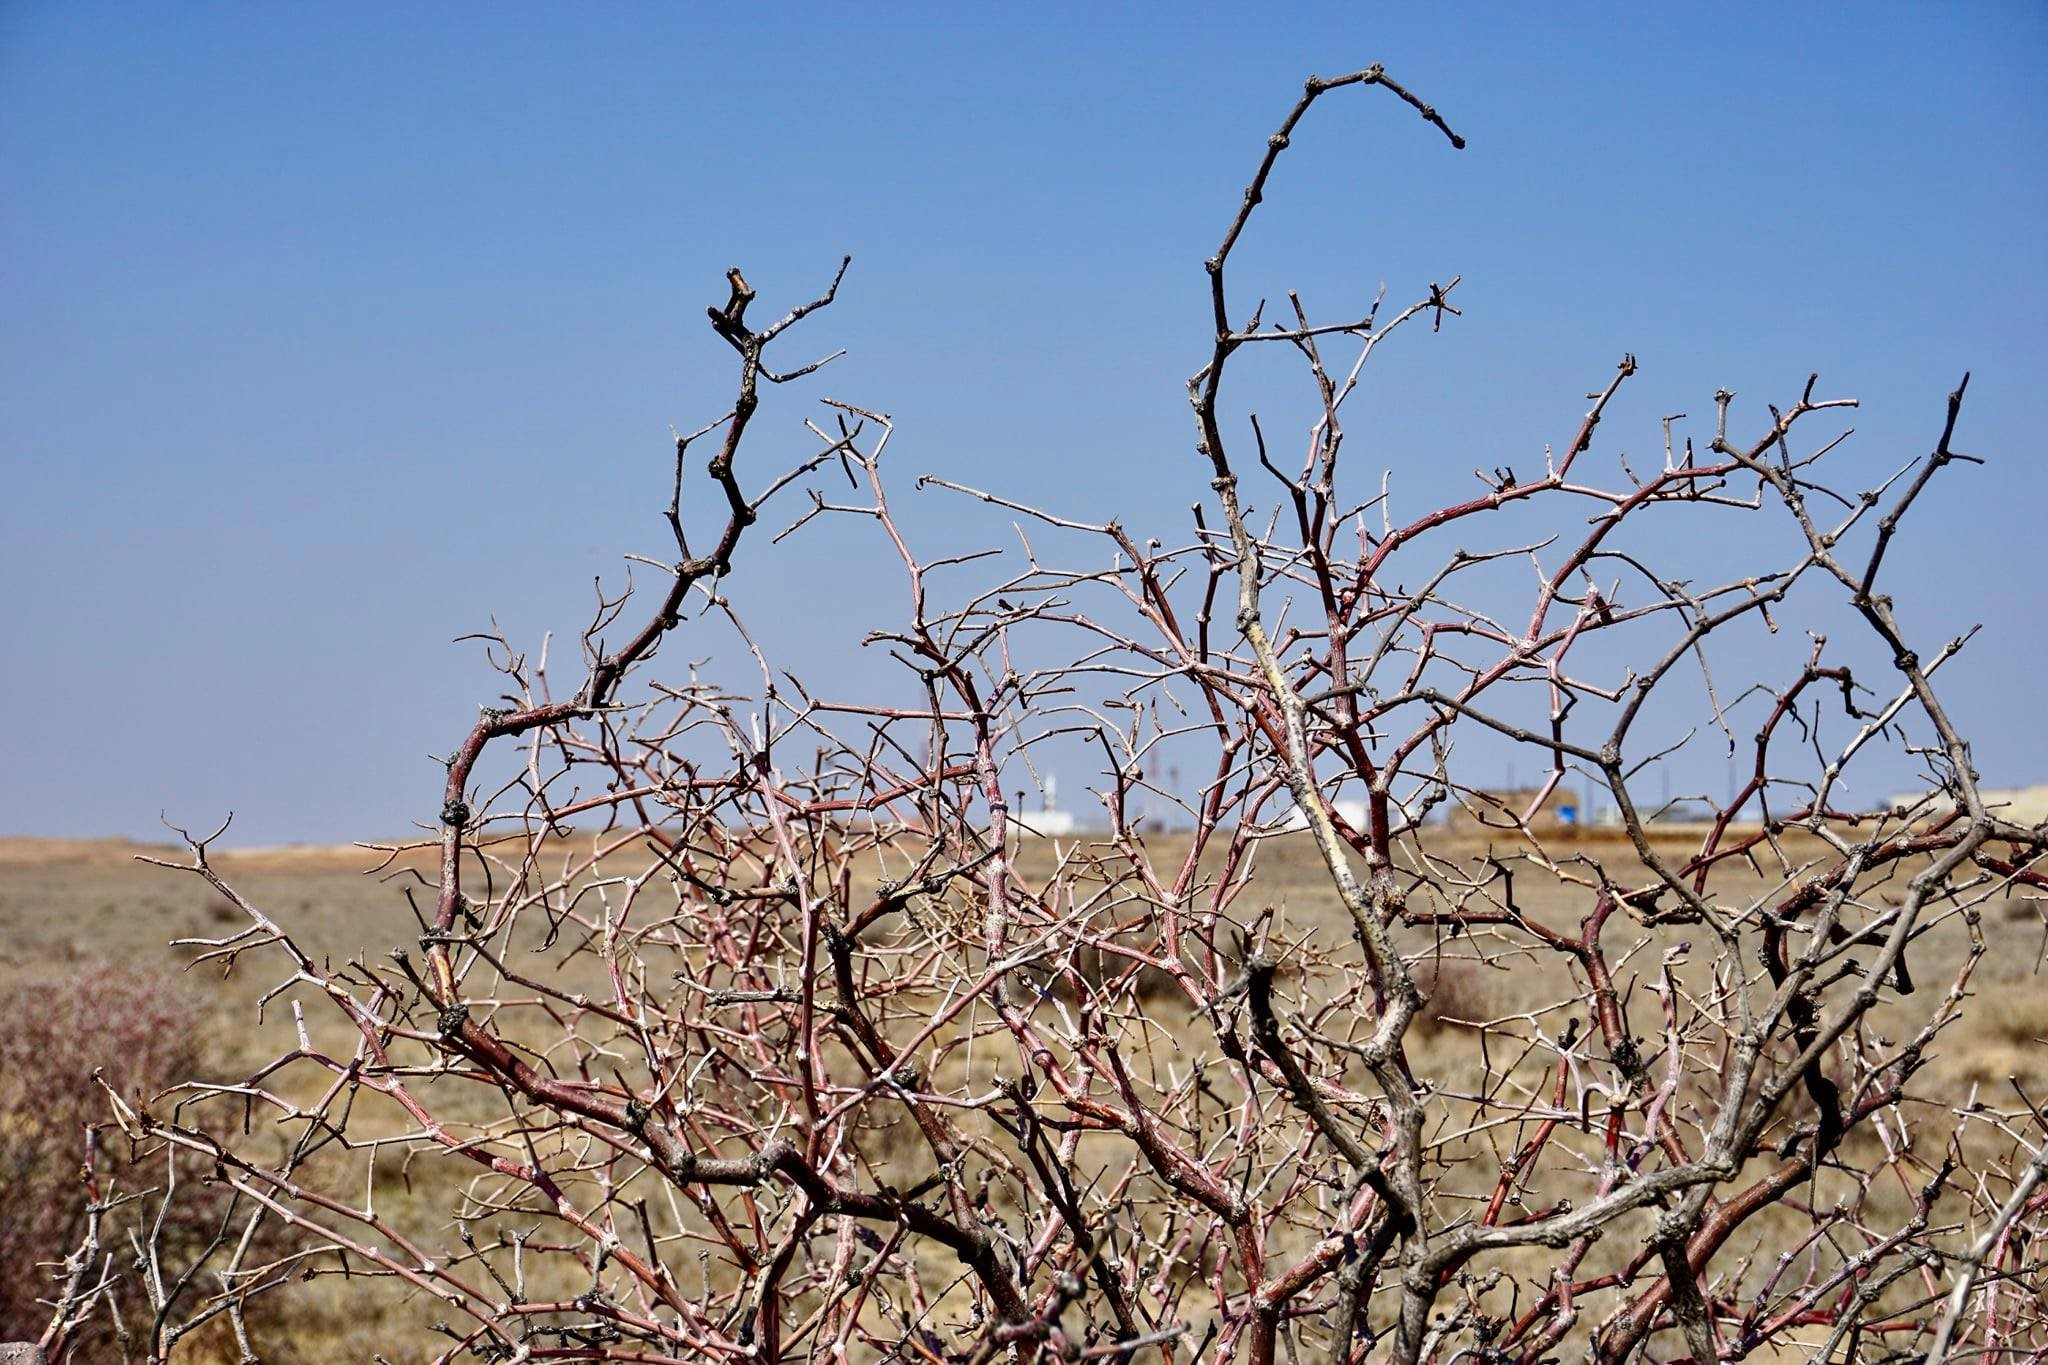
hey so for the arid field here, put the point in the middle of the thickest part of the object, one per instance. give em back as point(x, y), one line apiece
point(86, 917)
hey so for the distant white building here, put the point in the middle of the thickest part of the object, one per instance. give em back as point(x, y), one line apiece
point(1049, 818)
point(1352, 813)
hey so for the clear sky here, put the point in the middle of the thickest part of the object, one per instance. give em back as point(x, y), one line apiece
point(329, 331)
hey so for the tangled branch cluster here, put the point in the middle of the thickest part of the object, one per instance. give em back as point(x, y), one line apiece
point(757, 1024)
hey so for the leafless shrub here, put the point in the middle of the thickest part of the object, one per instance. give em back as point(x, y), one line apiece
point(762, 1033)
point(87, 1217)
point(130, 1025)
point(1456, 992)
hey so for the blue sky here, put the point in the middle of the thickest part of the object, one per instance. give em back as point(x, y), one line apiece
point(331, 332)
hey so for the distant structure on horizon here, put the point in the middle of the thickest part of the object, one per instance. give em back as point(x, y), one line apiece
point(1049, 818)
point(1477, 811)
point(1352, 812)
point(2021, 805)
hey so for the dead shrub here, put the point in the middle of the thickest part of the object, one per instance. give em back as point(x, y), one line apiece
point(1455, 992)
point(138, 1029)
